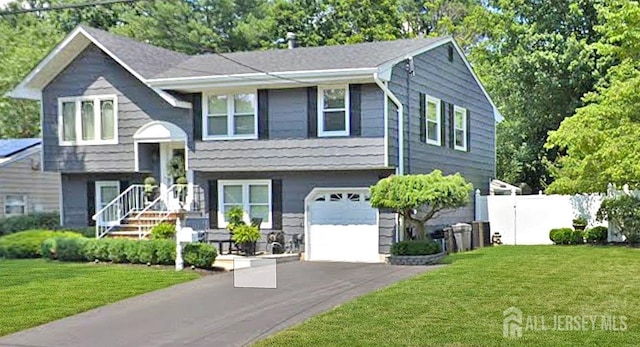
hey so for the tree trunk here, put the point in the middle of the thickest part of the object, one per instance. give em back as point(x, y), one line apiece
point(420, 230)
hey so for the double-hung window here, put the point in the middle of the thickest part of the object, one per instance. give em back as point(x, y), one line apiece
point(230, 116)
point(333, 111)
point(460, 128)
point(15, 205)
point(433, 117)
point(253, 196)
point(88, 120)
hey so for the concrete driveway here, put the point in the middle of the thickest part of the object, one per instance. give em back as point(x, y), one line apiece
point(211, 312)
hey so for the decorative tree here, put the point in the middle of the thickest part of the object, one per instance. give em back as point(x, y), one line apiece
point(419, 198)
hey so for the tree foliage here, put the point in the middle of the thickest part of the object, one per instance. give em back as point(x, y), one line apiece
point(599, 144)
point(420, 198)
point(624, 212)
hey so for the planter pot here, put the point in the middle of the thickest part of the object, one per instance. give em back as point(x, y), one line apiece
point(248, 248)
point(579, 227)
point(431, 259)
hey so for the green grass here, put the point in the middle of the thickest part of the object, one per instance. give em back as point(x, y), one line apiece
point(462, 304)
point(37, 291)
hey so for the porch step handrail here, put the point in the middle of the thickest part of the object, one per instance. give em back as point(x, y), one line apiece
point(124, 205)
point(162, 214)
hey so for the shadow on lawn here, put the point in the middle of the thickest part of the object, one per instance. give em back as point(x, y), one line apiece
point(454, 257)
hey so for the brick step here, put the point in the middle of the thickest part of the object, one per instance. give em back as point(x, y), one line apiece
point(125, 235)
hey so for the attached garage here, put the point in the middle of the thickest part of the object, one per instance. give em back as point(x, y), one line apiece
point(341, 225)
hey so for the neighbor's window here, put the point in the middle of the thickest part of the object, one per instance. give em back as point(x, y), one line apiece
point(88, 120)
point(433, 120)
point(460, 128)
point(333, 111)
point(230, 116)
point(253, 196)
point(15, 205)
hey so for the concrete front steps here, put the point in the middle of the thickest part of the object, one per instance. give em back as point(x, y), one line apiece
point(226, 261)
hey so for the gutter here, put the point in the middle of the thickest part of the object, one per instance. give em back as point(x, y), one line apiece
point(389, 94)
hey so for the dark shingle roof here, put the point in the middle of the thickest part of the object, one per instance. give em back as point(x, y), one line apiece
point(10, 147)
point(362, 55)
point(143, 58)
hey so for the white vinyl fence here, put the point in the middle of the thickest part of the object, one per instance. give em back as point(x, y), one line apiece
point(527, 219)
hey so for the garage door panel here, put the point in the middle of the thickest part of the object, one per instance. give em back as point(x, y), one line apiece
point(343, 227)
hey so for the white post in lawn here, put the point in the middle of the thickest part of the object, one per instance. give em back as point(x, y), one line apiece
point(179, 260)
point(515, 214)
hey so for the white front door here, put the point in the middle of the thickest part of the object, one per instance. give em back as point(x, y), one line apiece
point(167, 151)
point(343, 227)
point(106, 192)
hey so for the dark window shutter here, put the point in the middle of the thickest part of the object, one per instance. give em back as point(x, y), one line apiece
point(355, 112)
point(263, 113)
point(423, 118)
point(91, 202)
point(443, 123)
point(312, 111)
point(452, 126)
point(276, 201)
point(468, 132)
point(213, 204)
point(124, 185)
point(197, 116)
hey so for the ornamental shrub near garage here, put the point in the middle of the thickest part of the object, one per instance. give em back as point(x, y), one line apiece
point(200, 255)
point(416, 247)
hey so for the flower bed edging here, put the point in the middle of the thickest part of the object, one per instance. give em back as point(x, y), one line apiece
point(430, 259)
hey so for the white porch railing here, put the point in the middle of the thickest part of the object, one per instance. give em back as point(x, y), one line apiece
point(123, 206)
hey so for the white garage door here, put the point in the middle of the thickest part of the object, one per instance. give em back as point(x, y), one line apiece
point(342, 227)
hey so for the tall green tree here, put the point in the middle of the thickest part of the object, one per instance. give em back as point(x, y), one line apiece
point(25, 40)
point(537, 61)
point(600, 143)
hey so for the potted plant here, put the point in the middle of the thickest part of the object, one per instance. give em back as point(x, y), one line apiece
point(150, 189)
point(246, 237)
point(580, 223)
point(182, 189)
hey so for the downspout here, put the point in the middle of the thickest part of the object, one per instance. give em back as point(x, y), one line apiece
point(389, 94)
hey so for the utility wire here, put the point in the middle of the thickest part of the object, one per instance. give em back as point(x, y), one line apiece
point(66, 7)
point(259, 70)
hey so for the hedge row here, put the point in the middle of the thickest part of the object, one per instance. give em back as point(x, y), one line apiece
point(155, 252)
point(34, 221)
point(415, 247)
point(568, 236)
point(27, 244)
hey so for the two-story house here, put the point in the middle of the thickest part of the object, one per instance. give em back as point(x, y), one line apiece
point(293, 136)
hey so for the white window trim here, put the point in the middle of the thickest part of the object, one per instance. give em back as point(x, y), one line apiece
point(230, 116)
point(97, 121)
point(24, 205)
point(438, 141)
point(97, 195)
point(245, 199)
point(321, 110)
point(464, 128)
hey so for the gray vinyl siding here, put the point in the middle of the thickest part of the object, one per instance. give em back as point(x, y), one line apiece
point(95, 73)
point(23, 177)
point(452, 82)
point(75, 195)
point(289, 146)
point(295, 188)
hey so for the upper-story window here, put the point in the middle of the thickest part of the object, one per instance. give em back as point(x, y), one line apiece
point(460, 128)
point(88, 120)
point(230, 116)
point(433, 120)
point(333, 111)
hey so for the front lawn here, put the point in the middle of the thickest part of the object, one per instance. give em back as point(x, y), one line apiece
point(462, 304)
point(37, 291)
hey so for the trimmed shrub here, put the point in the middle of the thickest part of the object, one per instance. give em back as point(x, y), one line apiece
point(596, 234)
point(200, 255)
point(69, 249)
point(32, 221)
point(165, 251)
point(624, 212)
point(28, 244)
point(116, 249)
point(147, 252)
point(562, 236)
point(132, 252)
point(96, 249)
point(577, 237)
point(415, 247)
point(48, 248)
point(163, 231)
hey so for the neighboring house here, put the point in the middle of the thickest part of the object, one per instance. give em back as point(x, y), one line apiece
point(296, 137)
point(24, 187)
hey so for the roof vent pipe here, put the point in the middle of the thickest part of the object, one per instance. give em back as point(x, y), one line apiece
point(291, 38)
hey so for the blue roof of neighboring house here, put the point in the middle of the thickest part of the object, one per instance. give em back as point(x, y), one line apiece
point(10, 147)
